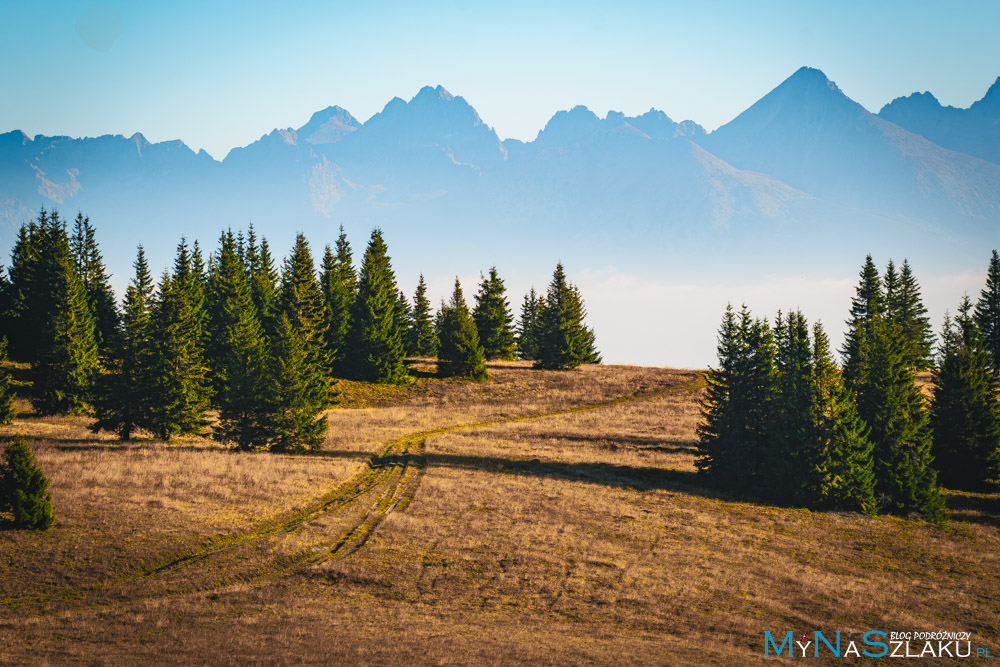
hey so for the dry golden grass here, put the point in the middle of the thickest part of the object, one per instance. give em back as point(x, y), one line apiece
point(581, 537)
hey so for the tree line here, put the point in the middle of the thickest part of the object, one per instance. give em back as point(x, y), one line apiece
point(782, 422)
point(234, 333)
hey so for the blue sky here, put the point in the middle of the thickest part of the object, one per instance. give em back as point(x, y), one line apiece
point(219, 75)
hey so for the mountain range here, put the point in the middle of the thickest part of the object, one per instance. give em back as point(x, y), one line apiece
point(806, 179)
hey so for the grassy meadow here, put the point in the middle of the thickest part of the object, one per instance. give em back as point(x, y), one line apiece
point(539, 517)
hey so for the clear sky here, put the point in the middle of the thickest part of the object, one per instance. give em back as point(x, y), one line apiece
point(220, 74)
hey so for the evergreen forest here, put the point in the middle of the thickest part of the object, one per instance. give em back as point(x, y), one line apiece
point(782, 422)
point(238, 344)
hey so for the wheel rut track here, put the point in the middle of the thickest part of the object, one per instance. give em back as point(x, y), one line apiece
point(398, 467)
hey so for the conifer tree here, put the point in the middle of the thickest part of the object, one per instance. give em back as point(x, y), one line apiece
point(66, 363)
point(906, 311)
point(339, 290)
point(189, 277)
point(839, 466)
point(890, 292)
point(93, 275)
point(403, 315)
point(243, 392)
point(7, 411)
point(965, 415)
point(423, 341)
point(302, 305)
point(181, 390)
point(890, 403)
point(792, 426)
point(262, 278)
point(460, 352)
point(988, 311)
point(867, 304)
point(493, 318)
point(375, 344)
point(721, 416)
point(565, 341)
point(738, 408)
point(23, 488)
point(124, 399)
point(529, 328)
point(225, 277)
point(300, 393)
point(439, 322)
point(758, 386)
point(25, 316)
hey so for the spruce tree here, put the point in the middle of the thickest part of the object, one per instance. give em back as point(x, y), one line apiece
point(529, 333)
point(892, 406)
point(25, 316)
point(565, 341)
point(299, 390)
point(241, 384)
point(23, 488)
point(262, 278)
point(124, 399)
point(867, 304)
point(403, 315)
point(7, 411)
point(735, 436)
point(423, 341)
point(965, 414)
point(93, 275)
point(758, 386)
point(839, 463)
point(988, 311)
point(181, 390)
point(67, 360)
point(721, 414)
point(375, 343)
point(890, 292)
point(907, 313)
point(302, 305)
point(339, 290)
point(792, 429)
point(460, 352)
point(493, 318)
point(189, 278)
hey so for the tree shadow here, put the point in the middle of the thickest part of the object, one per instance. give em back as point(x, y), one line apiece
point(979, 508)
point(644, 443)
point(639, 478)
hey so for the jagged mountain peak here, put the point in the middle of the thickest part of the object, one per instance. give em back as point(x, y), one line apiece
point(431, 106)
point(435, 92)
point(569, 125)
point(15, 137)
point(923, 100)
point(811, 77)
point(974, 130)
point(328, 126)
point(991, 100)
point(806, 100)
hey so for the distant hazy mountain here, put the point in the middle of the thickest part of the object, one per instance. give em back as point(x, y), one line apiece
point(975, 130)
point(807, 133)
point(803, 181)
